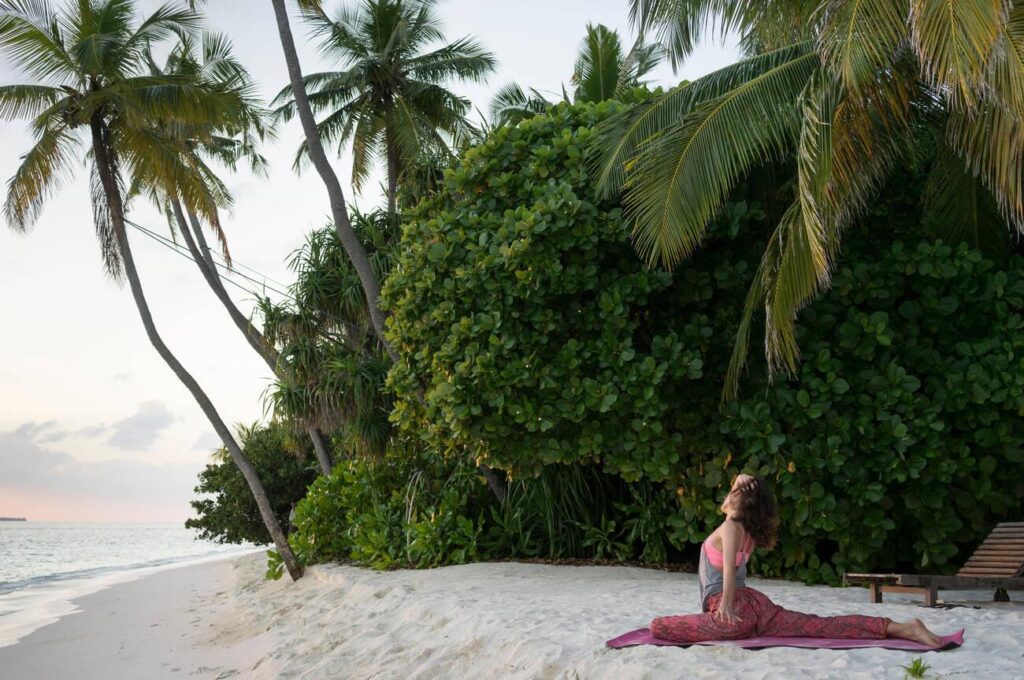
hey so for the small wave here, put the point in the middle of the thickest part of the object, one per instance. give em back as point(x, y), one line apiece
point(43, 579)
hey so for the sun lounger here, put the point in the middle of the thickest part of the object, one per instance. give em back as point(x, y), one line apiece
point(997, 563)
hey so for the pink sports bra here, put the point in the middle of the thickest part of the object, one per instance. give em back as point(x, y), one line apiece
point(742, 555)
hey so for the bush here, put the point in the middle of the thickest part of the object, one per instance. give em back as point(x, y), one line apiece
point(228, 512)
point(522, 314)
point(901, 440)
point(531, 335)
point(403, 510)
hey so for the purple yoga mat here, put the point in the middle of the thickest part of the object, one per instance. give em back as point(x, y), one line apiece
point(642, 636)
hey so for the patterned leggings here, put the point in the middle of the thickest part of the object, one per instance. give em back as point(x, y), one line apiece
point(760, 616)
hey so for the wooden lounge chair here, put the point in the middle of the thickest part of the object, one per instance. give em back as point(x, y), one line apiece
point(997, 563)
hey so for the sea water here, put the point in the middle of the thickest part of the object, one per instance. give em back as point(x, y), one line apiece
point(44, 566)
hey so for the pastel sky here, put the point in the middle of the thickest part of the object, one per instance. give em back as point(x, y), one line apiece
point(93, 425)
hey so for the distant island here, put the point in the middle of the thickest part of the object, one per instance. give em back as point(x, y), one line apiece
point(13, 519)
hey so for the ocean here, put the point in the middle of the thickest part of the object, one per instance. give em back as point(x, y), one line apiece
point(46, 565)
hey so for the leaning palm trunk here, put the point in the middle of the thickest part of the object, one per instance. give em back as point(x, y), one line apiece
point(104, 165)
point(339, 212)
point(208, 268)
point(346, 235)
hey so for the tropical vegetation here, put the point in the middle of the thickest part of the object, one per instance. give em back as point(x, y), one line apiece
point(836, 92)
point(521, 354)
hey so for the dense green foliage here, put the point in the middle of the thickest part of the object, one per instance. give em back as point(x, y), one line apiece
point(531, 335)
point(552, 357)
point(418, 510)
point(226, 511)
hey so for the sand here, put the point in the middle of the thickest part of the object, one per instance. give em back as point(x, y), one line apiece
point(495, 620)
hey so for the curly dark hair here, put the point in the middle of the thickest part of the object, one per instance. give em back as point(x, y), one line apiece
point(757, 512)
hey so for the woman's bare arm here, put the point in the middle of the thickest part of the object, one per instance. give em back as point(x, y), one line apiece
point(731, 533)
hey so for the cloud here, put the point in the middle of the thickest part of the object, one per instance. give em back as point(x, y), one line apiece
point(46, 431)
point(136, 432)
point(140, 430)
point(43, 475)
point(208, 441)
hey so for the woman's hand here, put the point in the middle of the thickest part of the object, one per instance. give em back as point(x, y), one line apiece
point(725, 614)
point(741, 480)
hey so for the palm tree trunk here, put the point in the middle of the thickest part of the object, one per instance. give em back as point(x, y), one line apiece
point(105, 165)
point(339, 212)
point(392, 152)
point(351, 243)
point(204, 260)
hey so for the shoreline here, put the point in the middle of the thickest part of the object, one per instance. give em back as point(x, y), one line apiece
point(222, 619)
point(29, 605)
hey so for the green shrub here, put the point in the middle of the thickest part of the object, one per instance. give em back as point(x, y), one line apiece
point(531, 335)
point(406, 510)
point(522, 315)
point(901, 440)
point(226, 512)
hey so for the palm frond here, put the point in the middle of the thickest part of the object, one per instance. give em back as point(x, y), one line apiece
point(20, 101)
point(31, 37)
point(953, 41)
point(42, 172)
point(106, 231)
point(598, 67)
point(858, 39)
point(991, 140)
point(682, 177)
point(622, 137)
point(958, 207)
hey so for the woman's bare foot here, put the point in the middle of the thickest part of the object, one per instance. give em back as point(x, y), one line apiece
point(913, 630)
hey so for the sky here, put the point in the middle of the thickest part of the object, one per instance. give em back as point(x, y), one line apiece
point(93, 425)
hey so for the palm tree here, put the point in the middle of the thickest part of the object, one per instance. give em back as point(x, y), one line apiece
point(88, 61)
point(601, 72)
point(211, 62)
point(836, 88)
point(315, 148)
point(339, 211)
point(390, 100)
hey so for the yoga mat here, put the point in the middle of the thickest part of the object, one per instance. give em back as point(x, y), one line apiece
point(642, 636)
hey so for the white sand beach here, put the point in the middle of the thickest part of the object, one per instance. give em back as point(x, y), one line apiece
point(496, 620)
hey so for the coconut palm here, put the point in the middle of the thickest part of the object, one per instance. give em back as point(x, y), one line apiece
point(390, 100)
point(210, 61)
point(318, 157)
point(836, 88)
point(602, 71)
point(88, 63)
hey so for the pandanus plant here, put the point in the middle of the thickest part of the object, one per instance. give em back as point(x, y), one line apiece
point(836, 89)
point(337, 368)
point(91, 90)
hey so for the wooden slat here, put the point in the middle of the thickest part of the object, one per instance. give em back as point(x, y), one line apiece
point(1007, 533)
point(871, 578)
point(1005, 541)
point(961, 582)
point(994, 560)
point(1009, 524)
point(1011, 549)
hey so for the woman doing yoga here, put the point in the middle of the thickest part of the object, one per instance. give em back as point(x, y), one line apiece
point(732, 611)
